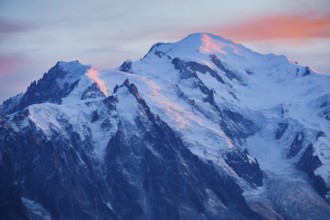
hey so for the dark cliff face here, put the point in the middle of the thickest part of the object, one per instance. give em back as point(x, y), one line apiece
point(56, 84)
point(147, 173)
point(246, 168)
point(11, 206)
point(234, 124)
point(309, 163)
point(280, 130)
point(189, 69)
point(229, 74)
point(59, 174)
point(296, 145)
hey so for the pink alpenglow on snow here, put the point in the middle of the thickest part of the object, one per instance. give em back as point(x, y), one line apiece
point(94, 75)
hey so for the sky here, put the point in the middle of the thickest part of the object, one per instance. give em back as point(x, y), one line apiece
point(35, 34)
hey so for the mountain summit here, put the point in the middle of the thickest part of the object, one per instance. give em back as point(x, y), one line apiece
point(203, 128)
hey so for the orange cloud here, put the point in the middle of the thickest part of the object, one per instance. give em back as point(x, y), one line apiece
point(301, 26)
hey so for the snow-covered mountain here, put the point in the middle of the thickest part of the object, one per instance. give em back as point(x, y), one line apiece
point(199, 129)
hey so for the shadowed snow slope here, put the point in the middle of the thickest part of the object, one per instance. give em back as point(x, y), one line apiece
point(199, 129)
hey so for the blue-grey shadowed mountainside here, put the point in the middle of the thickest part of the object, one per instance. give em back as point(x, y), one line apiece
point(203, 128)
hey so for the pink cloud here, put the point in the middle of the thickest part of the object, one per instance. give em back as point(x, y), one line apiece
point(295, 26)
point(9, 63)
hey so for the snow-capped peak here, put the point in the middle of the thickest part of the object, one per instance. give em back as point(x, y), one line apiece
point(185, 113)
point(202, 43)
point(209, 43)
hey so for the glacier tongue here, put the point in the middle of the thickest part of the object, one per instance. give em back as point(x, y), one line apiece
point(184, 131)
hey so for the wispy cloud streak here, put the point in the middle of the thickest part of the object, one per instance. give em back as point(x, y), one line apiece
point(297, 26)
point(7, 27)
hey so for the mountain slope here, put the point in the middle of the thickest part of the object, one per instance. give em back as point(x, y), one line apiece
point(203, 128)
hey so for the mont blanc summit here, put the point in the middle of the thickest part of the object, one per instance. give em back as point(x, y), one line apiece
point(203, 128)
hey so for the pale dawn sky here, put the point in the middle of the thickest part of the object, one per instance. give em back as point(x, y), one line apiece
point(35, 34)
